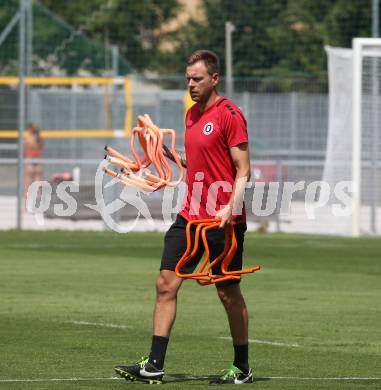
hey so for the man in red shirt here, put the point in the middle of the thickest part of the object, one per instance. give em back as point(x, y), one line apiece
point(218, 167)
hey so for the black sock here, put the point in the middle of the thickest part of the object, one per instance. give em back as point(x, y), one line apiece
point(241, 357)
point(158, 350)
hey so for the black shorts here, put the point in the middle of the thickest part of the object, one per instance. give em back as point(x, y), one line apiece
point(175, 244)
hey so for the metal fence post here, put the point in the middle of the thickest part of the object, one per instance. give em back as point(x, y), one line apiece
point(229, 28)
point(279, 197)
point(114, 111)
point(375, 121)
point(294, 121)
point(21, 116)
point(29, 37)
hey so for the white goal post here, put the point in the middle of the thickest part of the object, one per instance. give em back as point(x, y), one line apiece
point(354, 131)
point(364, 47)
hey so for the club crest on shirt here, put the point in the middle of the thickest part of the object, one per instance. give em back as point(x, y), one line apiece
point(208, 128)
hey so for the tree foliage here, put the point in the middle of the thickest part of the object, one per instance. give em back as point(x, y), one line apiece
point(275, 37)
point(271, 37)
point(132, 25)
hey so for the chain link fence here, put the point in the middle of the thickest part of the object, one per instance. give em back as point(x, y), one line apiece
point(287, 114)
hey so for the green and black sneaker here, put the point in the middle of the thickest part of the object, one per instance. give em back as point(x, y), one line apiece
point(233, 376)
point(142, 371)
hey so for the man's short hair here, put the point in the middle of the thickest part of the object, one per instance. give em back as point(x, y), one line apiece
point(209, 58)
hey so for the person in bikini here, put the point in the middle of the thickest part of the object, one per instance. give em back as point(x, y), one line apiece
point(33, 149)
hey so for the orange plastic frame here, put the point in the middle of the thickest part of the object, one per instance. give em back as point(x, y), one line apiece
point(204, 275)
point(135, 172)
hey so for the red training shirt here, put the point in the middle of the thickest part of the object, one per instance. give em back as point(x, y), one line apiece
point(209, 135)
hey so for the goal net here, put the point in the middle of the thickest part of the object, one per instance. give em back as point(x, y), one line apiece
point(354, 135)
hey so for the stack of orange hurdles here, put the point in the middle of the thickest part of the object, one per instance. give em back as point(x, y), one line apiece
point(135, 172)
point(204, 274)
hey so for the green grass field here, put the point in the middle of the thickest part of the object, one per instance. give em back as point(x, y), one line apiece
point(74, 304)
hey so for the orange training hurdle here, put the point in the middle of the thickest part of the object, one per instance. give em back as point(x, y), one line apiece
point(204, 275)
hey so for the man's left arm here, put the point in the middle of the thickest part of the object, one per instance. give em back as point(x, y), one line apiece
point(241, 159)
point(180, 154)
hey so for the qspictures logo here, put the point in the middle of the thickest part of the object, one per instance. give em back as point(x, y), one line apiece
point(318, 196)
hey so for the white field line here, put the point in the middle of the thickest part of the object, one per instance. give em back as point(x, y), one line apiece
point(53, 246)
point(192, 378)
point(65, 246)
point(275, 343)
point(348, 378)
point(101, 324)
point(60, 380)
